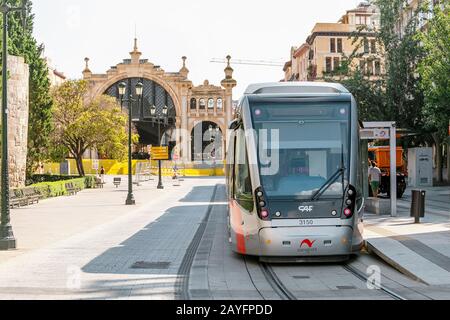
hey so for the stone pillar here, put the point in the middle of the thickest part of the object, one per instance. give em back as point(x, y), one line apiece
point(18, 109)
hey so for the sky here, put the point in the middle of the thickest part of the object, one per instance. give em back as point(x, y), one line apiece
point(103, 30)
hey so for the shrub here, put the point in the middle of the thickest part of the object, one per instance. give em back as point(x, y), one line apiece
point(51, 189)
point(89, 182)
point(58, 188)
point(39, 178)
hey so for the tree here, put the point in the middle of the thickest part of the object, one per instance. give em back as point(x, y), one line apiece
point(22, 43)
point(434, 70)
point(403, 52)
point(81, 124)
point(369, 91)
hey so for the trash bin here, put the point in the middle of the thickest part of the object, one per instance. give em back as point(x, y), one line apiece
point(418, 205)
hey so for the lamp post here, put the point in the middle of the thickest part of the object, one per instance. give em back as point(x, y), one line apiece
point(214, 133)
point(122, 90)
point(158, 117)
point(7, 239)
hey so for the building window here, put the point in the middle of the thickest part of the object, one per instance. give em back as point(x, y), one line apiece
point(219, 104)
point(242, 185)
point(362, 66)
point(377, 68)
point(328, 67)
point(336, 62)
point(361, 20)
point(366, 46)
point(202, 104)
point(370, 68)
point(332, 45)
point(210, 103)
point(193, 104)
point(339, 46)
point(373, 46)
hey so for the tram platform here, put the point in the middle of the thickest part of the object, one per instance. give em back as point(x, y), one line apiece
point(421, 251)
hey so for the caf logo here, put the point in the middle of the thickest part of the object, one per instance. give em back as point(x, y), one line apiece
point(304, 209)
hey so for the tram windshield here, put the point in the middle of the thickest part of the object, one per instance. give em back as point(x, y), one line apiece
point(302, 147)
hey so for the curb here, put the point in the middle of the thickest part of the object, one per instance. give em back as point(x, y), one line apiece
point(372, 250)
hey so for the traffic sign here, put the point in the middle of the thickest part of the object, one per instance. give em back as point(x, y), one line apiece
point(95, 164)
point(375, 134)
point(160, 153)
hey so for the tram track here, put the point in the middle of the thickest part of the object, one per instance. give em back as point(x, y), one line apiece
point(363, 277)
point(275, 282)
point(182, 292)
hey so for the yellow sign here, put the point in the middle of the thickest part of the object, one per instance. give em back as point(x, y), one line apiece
point(160, 153)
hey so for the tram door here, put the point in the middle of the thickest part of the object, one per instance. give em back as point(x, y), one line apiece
point(242, 202)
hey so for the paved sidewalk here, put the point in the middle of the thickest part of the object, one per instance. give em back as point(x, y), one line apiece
point(92, 246)
point(421, 251)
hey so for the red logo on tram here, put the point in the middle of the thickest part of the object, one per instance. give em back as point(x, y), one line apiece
point(308, 242)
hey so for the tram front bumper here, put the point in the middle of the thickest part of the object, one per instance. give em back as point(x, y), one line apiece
point(306, 241)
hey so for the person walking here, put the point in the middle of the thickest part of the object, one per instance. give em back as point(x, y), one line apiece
point(374, 178)
point(102, 174)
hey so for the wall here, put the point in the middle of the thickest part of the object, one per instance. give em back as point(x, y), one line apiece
point(18, 104)
point(113, 167)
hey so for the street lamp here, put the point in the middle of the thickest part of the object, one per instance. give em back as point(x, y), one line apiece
point(7, 239)
point(122, 91)
point(159, 117)
point(214, 133)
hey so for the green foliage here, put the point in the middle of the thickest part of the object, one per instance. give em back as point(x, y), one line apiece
point(89, 182)
point(22, 43)
point(403, 52)
point(58, 188)
point(395, 95)
point(39, 178)
point(81, 124)
point(434, 70)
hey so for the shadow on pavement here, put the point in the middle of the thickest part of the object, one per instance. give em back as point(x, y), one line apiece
point(158, 249)
point(197, 194)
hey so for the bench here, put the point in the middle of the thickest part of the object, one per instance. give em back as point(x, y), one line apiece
point(71, 190)
point(99, 183)
point(23, 197)
point(117, 182)
point(31, 195)
point(16, 199)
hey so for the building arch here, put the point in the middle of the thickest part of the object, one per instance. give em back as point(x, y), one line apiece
point(206, 144)
point(101, 89)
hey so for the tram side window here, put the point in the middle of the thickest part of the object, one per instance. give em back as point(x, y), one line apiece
point(242, 184)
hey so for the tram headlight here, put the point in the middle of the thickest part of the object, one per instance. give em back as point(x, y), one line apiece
point(348, 212)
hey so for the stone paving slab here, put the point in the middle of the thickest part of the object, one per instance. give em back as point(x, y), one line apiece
point(422, 250)
point(96, 263)
point(406, 260)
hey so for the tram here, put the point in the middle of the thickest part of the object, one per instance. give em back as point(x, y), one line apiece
point(294, 179)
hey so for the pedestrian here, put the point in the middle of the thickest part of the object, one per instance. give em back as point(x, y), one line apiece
point(102, 174)
point(374, 178)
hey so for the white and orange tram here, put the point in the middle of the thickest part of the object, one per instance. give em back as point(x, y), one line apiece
point(294, 179)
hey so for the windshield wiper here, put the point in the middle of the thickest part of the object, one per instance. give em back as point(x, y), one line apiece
point(332, 179)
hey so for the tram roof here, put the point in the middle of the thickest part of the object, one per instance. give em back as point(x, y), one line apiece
point(296, 88)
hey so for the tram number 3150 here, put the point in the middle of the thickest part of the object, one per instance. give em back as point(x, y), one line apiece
point(306, 222)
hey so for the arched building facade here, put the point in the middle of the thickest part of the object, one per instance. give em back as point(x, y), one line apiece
point(193, 111)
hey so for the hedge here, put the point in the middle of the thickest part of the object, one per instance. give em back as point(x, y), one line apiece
point(40, 178)
point(56, 189)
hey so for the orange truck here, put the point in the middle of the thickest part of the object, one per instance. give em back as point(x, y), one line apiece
point(381, 155)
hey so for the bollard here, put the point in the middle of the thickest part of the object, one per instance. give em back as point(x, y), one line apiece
point(418, 205)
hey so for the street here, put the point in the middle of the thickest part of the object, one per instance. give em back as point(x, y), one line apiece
point(174, 245)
